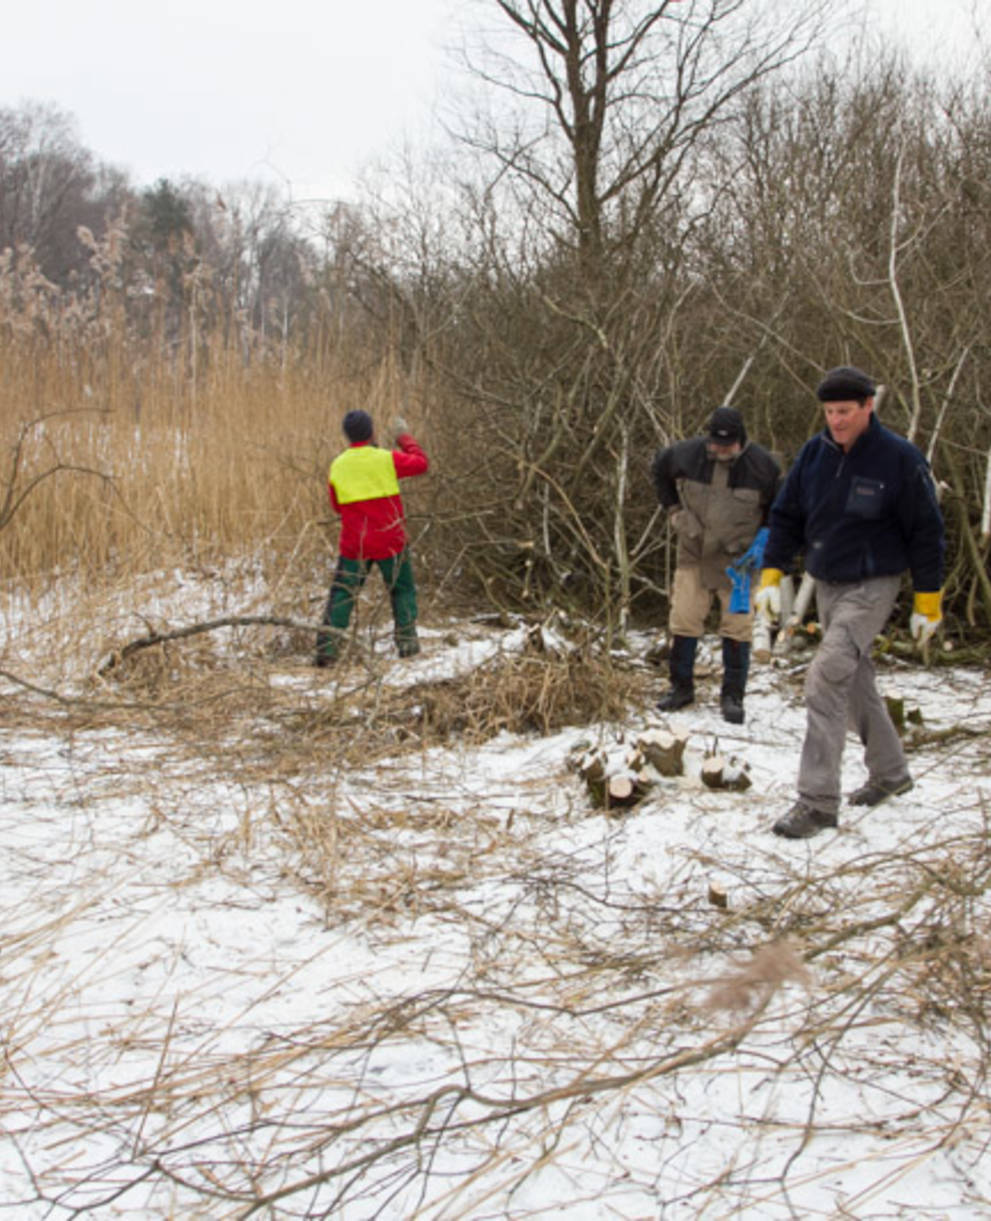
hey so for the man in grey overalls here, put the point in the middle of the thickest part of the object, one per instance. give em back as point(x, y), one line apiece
point(717, 490)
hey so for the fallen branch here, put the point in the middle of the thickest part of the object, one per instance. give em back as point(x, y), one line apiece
point(493, 1110)
point(196, 629)
point(14, 499)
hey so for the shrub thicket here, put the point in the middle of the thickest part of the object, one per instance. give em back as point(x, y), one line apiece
point(181, 399)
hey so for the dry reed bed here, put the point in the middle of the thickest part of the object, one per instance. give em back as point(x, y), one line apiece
point(115, 463)
point(562, 1007)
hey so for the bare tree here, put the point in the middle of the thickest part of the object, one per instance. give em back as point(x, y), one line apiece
point(613, 99)
point(854, 228)
point(49, 184)
point(570, 354)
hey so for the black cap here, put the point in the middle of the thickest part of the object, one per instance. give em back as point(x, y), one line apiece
point(358, 426)
point(726, 426)
point(845, 384)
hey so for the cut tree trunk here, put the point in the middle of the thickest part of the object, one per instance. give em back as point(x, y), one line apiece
point(663, 750)
point(717, 896)
point(720, 773)
point(592, 769)
point(623, 791)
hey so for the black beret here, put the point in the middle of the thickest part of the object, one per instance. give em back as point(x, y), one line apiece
point(726, 426)
point(845, 384)
point(358, 426)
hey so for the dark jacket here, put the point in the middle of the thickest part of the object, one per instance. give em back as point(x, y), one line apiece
point(871, 512)
point(717, 507)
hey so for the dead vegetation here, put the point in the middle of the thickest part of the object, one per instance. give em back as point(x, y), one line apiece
point(356, 716)
point(516, 994)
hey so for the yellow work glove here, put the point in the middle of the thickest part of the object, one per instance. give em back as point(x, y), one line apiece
point(927, 615)
point(767, 600)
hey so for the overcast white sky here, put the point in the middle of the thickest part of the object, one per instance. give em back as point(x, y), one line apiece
point(302, 91)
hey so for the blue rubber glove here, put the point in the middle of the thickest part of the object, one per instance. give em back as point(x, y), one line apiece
point(741, 571)
point(739, 599)
point(753, 557)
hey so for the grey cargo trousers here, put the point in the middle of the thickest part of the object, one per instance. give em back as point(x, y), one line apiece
point(840, 691)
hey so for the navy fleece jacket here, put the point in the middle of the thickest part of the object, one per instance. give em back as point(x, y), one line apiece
point(867, 513)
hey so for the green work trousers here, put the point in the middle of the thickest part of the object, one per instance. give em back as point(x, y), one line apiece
point(349, 577)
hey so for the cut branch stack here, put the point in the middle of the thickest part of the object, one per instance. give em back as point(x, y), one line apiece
point(620, 784)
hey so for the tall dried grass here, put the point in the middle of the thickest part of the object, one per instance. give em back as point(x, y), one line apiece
point(125, 464)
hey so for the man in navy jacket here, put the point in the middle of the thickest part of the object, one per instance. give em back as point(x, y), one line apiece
point(860, 503)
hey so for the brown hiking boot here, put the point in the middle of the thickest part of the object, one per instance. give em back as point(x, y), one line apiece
point(875, 791)
point(803, 821)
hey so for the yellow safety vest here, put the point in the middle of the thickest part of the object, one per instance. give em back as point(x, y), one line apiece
point(363, 472)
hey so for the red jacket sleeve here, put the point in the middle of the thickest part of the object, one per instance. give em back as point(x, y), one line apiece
point(409, 458)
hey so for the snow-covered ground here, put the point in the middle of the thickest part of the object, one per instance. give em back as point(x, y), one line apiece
point(238, 978)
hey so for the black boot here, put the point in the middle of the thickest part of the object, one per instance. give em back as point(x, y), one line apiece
point(736, 663)
point(681, 667)
point(328, 647)
point(406, 641)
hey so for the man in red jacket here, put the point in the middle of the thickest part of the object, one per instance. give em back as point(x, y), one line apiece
point(363, 484)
